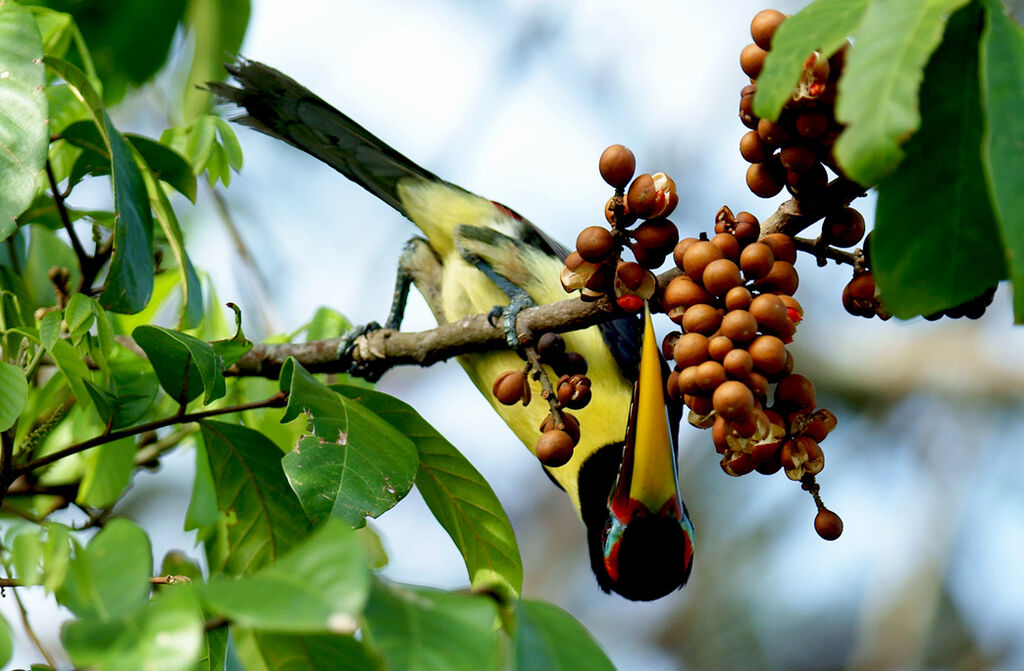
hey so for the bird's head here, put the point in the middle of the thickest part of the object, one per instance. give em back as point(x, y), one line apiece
point(640, 536)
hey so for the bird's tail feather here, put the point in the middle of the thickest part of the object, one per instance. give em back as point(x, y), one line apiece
point(279, 106)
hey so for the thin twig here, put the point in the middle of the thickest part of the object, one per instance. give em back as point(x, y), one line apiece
point(84, 258)
point(813, 248)
point(277, 400)
point(30, 632)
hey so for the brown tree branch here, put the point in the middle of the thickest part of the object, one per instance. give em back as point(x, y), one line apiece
point(386, 348)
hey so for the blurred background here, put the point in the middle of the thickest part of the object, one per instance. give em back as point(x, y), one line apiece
point(515, 100)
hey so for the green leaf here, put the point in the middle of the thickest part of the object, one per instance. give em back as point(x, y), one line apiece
point(191, 311)
point(24, 134)
point(261, 518)
point(326, 412)
point(823, 25)
point(166, 164)
point(458, 496)
point(79, 316)
point(202, 506)
point(320, 585)
point(134, 387)
point(83, 89)
point(550, 639)
point(27, 556)
point(217, 27)
point(229, 141)
point(184, 365)
point(353, 470)
point(110, 577)
point(1002, 89)
point(46, 251)
point(878, 90)
point(933, 248)
point(372, 546)
point(13, 394)
point(129, 283)
point(49, 328)
point(234, 348)
point(6, 644)
point(56, 556)
point(56, 28)
point(74, 369)
point(326, 323)
point(108, 472)
point(201, 141)
point(115, 29)
point(212, 655)
point(165, 635)
point(263, 651)
point(428, 630)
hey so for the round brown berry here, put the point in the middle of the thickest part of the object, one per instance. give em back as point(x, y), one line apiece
point(843, 228)
point(718, 347)
point(729, 245)
point(571, 426)
point(697, 258)
point(752, 60)
point(752, 148)
point(769, 311)
point(709, 375)
point(795, 391)
point(657, 235)
point(828, 525)
point(701, 318)
point(782, 246)
point(733, 400)
point(782, 277)
point(642, 197)
point(595, 244)
point(511, 387)
point(763, 181)
point(764, 25)
point(739, 326)
point(617, 165)
point(720, 276)
point(747, 116)
point(756, 260)
point(737, 298)
point(738, 364)
point(554, 448)
point(691, 349)
point(768, 353)
point(797, 158)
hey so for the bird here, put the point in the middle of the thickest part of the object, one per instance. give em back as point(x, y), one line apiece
point(475, 254)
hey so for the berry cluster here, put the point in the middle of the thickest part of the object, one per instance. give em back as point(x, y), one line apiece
point(560, 431)
point(596, 266)
point(734, 302)
point(793, 151)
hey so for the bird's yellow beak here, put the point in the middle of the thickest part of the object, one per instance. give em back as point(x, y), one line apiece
point(647, 481)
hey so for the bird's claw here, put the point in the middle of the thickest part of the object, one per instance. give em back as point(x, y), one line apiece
point(508, 314)
point(363, 368)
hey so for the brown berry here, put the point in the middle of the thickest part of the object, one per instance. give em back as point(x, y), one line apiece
point(571, 426)
point(709, 375)
point(733, 400)
point(752, 60)
point(688, 380)
point(756, 260)
point(642, 198)
point(811, 124)
point(763, 181)
point(510, 387)
point(682, 293)
point(739, 326)
point(595, 244)
point(782, 246)
point(691, 349)
point(554, 448)
point(763, 26)
point(768, 353)
point(747, 228)
point(843, 228)
point(828, 525)
point(729, 245)
point(797, 158)
point(658, 236)
point(752, 148)
point(701, 405)
point(795, 391)
point(747, 116)
point(718, 347)
point(770, 313)
point(738, 364)
point(697, 258)
point(617, 165)
point(782, 277)
point(701, 318)
point(737, 298)
point(680, 249)
point(772, 133)
point(720, 276)
point(550, 346)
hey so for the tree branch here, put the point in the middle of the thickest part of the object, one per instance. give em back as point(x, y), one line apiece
point(277, 400)
point(386, 348)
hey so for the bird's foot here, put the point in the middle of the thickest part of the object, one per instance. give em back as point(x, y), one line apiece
point(508, 314)
point(353, 349)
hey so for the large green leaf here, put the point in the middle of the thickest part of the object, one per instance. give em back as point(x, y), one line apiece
point(165, 635)
point(191, 312)
point(823, 25)
point(878, 91)
point(212, 655)
point(23, 131)
point(166, 164)
point(429, 630)
point(217, 28)
point(110, 577)
point(1002, 89)
point(184, 364)
point(6, 644)
point(130, 38)
point(935, 239)
point(260, 517)
point(354, 465)
point(319, 586)
point(13, 394)
point(458, 496)
point(129, 283)
point(264, 651)
point(550, 639)
point(108, 472)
